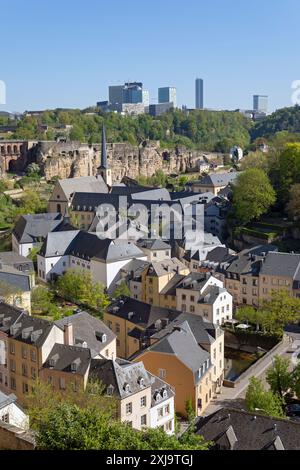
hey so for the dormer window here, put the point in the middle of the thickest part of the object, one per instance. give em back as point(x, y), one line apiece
point(141, 381)
point(51, 362)
point(110, 390)
point(165, 394)
point(126, 387)
point(157, 396)
point(101, 337)
point(74, 367)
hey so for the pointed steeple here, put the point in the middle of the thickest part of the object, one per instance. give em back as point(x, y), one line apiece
point(104, 164)
point(104, 169)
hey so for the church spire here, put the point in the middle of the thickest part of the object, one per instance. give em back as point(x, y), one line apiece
point(104, 169)
point(104, 164)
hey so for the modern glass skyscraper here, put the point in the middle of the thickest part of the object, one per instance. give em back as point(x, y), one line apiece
point(199, 93)
point(167, 95)
point(260, 103)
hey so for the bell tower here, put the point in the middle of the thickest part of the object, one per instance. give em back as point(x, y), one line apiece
point(104, 169)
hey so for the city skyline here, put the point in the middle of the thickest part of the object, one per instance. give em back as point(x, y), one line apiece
point(75, 60)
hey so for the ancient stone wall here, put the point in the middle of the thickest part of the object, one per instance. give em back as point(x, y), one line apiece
point(72, 159)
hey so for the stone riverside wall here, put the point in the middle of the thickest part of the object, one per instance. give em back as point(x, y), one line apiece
point(13, 438)
point(73, 159)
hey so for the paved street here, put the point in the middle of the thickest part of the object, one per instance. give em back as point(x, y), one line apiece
point(234, 397)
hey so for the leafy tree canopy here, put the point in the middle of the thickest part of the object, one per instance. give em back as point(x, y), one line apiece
point(253, 195)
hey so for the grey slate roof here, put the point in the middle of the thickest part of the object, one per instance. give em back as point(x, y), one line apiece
point(218, 255)
point(182, 344)
point(11, 258)
point(159, 268)
point(84, 184)
point(89, 202)
point(218, 179)
point(32, 228)
point(64, 356)
point(204, 332)
point(282, 264)
point(170, 287)
point(85, 327)
point(87, 246)
point(140, 313)
point(233, 429)
point(37, 329)
point(194, 281)
point(6, 400)
point(159, 194)
point(160, 391)
point(8, 316)
point(58, 243)
point(11, 276)
point(123, 190)
point(153, 244)
point(119, 373)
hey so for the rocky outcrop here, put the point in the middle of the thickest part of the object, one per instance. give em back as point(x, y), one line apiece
point(73, 159)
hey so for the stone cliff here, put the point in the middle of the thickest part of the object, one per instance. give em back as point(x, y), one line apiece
point(73, 159)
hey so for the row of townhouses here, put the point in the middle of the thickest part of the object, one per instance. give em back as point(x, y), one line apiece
point(69, 353)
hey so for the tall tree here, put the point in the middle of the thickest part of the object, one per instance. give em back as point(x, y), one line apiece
point(293, 206)
point(279, 377)
point(263, 402)
point(253, 195)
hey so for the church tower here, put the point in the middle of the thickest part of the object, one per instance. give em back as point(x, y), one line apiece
point(104, 169)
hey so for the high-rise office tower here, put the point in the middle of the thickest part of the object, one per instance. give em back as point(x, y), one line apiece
point(199, 93)
point(167, 95)
point(260, 103)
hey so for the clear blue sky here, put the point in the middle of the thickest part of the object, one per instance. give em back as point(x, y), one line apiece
point(65, 53)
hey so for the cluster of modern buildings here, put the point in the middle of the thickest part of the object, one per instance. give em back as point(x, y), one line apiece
point(132, 99)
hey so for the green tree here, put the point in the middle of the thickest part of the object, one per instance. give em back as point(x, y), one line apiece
point(263, 402)
point(77, 285)
point(279, 377)
point(33, 170)
point(121, 290)
point(249, 314)
point(293, 206)
point(279, 311)
point(189, 409)
point(70, 427)
point(289, 170)
point(253, 195)
point(41, 299)
point(296, 380)
point(255, 160)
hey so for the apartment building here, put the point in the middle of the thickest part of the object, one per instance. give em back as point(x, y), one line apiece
point(25, 343)
point(178, 359)
point(139, 326)
point(143, 400)
point(255, 273)
point(129, 318)
point(156, 289)
point(138, 394)
point(204, 295)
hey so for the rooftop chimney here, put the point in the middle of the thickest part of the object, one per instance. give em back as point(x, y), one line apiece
point(68, 334)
